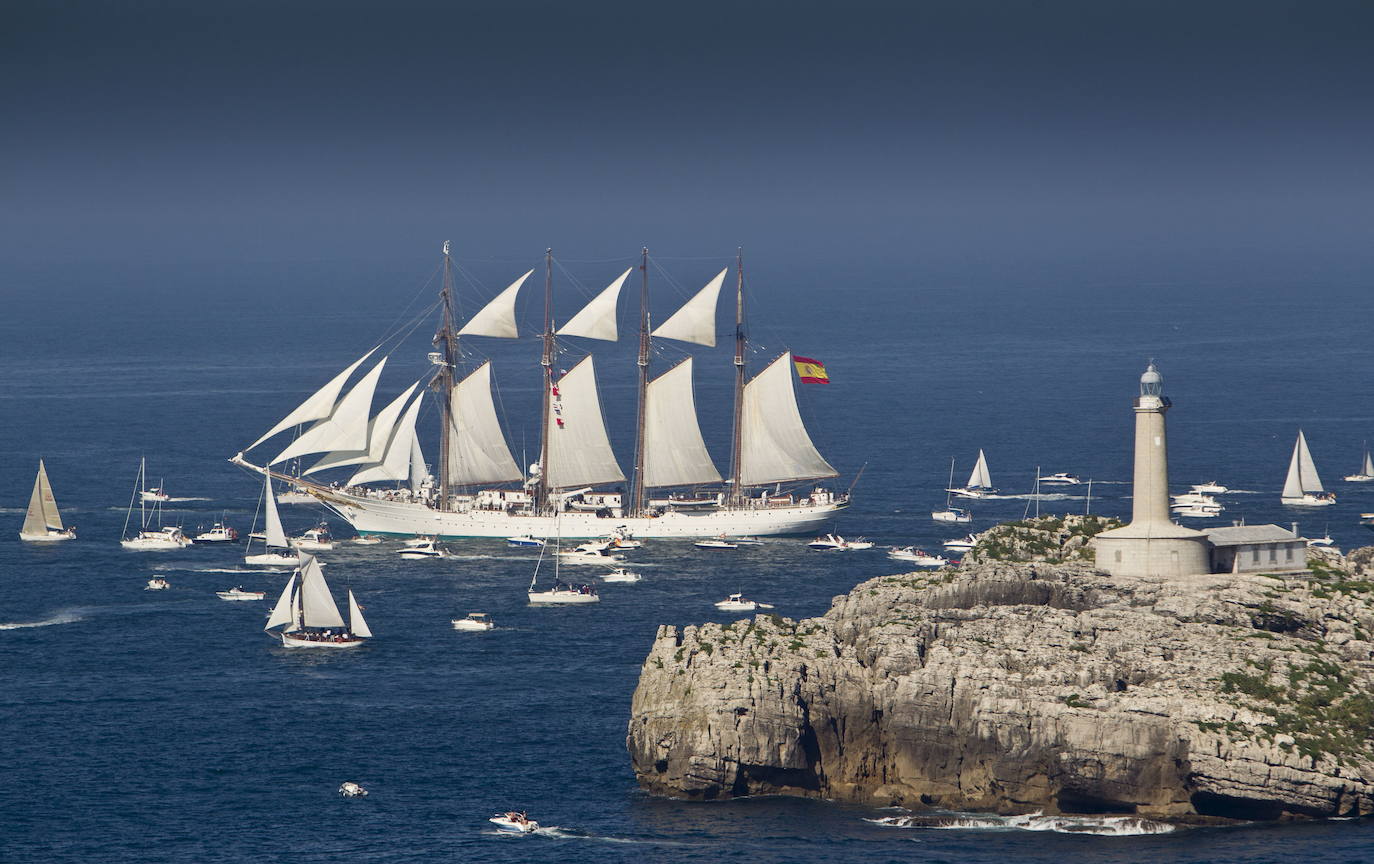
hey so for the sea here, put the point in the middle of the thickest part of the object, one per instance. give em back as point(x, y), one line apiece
point(151, 726)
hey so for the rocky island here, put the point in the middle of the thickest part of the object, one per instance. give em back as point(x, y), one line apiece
point(1026, 679)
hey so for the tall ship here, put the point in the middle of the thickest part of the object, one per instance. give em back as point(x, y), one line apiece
point(479, 490)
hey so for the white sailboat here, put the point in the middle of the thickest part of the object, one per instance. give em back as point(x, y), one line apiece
point(1366, 472)
point(1303, 488)
point(276, 552)
point(957, 515)
point(165, 537)
point(770, 446)
point(42, 521)
point(979, 483)
point(307, 614)
point(560, 594)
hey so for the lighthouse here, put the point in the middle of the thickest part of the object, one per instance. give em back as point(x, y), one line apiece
point(1152, 544)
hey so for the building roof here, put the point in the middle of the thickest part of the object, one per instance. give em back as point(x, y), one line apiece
point(1242, 535)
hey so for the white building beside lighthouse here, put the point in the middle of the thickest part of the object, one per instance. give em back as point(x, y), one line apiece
point(1152, 544)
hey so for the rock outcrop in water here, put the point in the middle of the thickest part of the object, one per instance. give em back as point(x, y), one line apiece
point(1013, 687)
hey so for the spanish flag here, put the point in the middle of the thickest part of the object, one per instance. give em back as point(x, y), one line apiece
point(810, 371)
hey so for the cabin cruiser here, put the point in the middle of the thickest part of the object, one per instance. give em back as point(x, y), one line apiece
point(317, 539)
point(834, 542)
point(620, 574)
point(421, 547)
point(154, 494)
point(237, 593)
point(514, 823)
point(715, 543)
point(476, 621)
point(917, 556)
point(740, 603)
point(523, 540)
point(587, 556)
point(219, 533)
point(1059, 478)
point(563, 594)
point(169, 537)
point(367, 540)
point(157, 583)
point(961, 545)
point(1211, 488)
point(1197, 511)
point(957, 515)
point(1324, 540)
point(352, 790)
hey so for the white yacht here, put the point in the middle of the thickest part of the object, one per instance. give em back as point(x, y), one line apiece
point(218, 533)
point(421, 547)
point(317, 539)
point(740, 603)
point(157, 583)
point(715, 543)
point(308, 616)
point(1059, 478)
point(349, 789)
point(834, 542)
point(620, 574)
point(237, 593)
point(476, 622)
point(979, 483)
point(276, 552)
point(524, 540)
point(1303, 488)
point(42, 522)
point(1324, 540)
point(514, 823)
point(918, 557)
point(1197, 511)
point(1210, 488)
point(1364, 475)
point(165, 537)
point(367, 540)
point(961, 545)
point(563, 594)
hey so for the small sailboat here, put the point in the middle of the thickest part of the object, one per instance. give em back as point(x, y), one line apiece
point(951, 514)
point(514, 823)
point(165, 537)
point(421, 548)
point(1324, 540)
point(218, 533)
point(42, 522)
point(317, 539)
point(1303, 488)
point(476, 621)
point(560, 594)
point(308, 616)
point(276, 552)
point(979, 483)
point(587, 556)
point(740, 603)
point(1366, 472)
point(620, 574)
point(918, 557)
point(237, 593)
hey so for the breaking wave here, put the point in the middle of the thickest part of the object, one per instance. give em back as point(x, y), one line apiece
point(1103, 826)
point(59, 618)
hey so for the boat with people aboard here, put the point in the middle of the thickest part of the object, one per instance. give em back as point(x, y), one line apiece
point(217, 533)
point(620, 574)
point(308, 616)
point(1366, 472)
point(514, 823)
point(237, 593)
point(276, 551)
point(317, 539)
point(349, 789)
point(836, 543)
point(42, 521)
point(1211, 487)
point(524, 540)
point(421, 548)
point(157, 583)
point(481, 491)
point(716, 543)
point(916, 556)
point(367, 540)
point(979, 483)
point(475, 621)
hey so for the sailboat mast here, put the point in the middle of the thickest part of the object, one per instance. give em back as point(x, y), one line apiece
point(637, 492)
point(737, 436)
point(547, 362)
point(447, 340)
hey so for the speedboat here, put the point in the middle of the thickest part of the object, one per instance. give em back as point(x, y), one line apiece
point(514, 823)
point(962, 545)
point(620, 574)
point(421, 547)
point(476, 621)
point(237, 593)
point(169, 537)
point(622, 539)
point(917, 557)
point(952, 514)
point(739, 603)
point(367, 540)
point(157, 583)
point(563, 594)
point(1190, 499)
point(585, 556)
point(219, 533)
point(352, 790)
point(834, 542)
point(1210, 488)
point(154, 494)
point(1060, 478)
point(317, 539)
point(524, 540)
point(1324, 540)
point(715, 543)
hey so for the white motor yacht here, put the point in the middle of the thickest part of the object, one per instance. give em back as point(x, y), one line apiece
point(421, 547)
point(715, 543)
point(317, 539)
point(834, 542)
point(157, 583)
point(237, 593)
point(170, 537)
point(524, 540)
point(740, 603)
point(514, 823)
point(1059, 478)
point(563, 594)
point(918, 557)
point(620, 574)
point(272, 558)
point(367, 540)
point(1210, 488)
point(352, 790)
point(476, 621)
point(961, 545)
point(583, 556)
point(308, 616)
point(957, 515)
point(218, 533)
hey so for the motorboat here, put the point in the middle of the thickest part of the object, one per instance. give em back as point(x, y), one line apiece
point(352, 790)
point(154, 495)
point(1210, 488)
point(157, 583)
point(1366, 472)
point(218, 533)
point(237, 593)
point(169, 537)
point(715, 543)
point(1059, 478)
point(620, 574)
point(1189, 499)
point(524, 540)
point(957, 515)
point(746, 541)
point(917, 556)
point(514, 823)
point(1324, 540)
point(367, 540)
point(739, 603)
point(42, 522)
point(421, 547)
point(834, 542)
point(1302, 487)
point(1197, 512)
point(563, 594)
point(476, 621)
point(317, 539)
point(308, 616)
point(961, 545)
point(584, 556)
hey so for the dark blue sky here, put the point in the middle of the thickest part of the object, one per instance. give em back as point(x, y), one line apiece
point(973, 135)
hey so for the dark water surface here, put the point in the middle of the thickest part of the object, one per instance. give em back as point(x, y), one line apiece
point(164, 726)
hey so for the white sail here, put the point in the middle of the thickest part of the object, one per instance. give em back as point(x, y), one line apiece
point(379, 431)
point(417, 463)
point(1368, 469)
point(356, 625)
point(579, 451)
point(318, 406)
point(477, 451)
point(774, 445)
point(346, 428)
point(695, 322)
point(674, 452)
point(1302, 471)
point(980, 478)
point(317, 607)
point(395, 464)
point(497, 318)
point(283, 613)
point(597, 318)
point(276, 537)
point(42, 514)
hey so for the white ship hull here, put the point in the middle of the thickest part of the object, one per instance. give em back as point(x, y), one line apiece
point(50, 537)
point(407, 519)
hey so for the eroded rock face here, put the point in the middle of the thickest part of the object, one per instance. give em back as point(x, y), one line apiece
point(1015, 687)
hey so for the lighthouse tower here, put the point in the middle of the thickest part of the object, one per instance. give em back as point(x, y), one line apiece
point(1152, 545)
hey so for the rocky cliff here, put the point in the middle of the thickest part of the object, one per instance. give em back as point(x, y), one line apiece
point(1013, 687)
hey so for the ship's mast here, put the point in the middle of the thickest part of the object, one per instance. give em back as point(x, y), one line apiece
point(447, 340)
point(736, 442)
point(546, 361)
point(637, 492)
